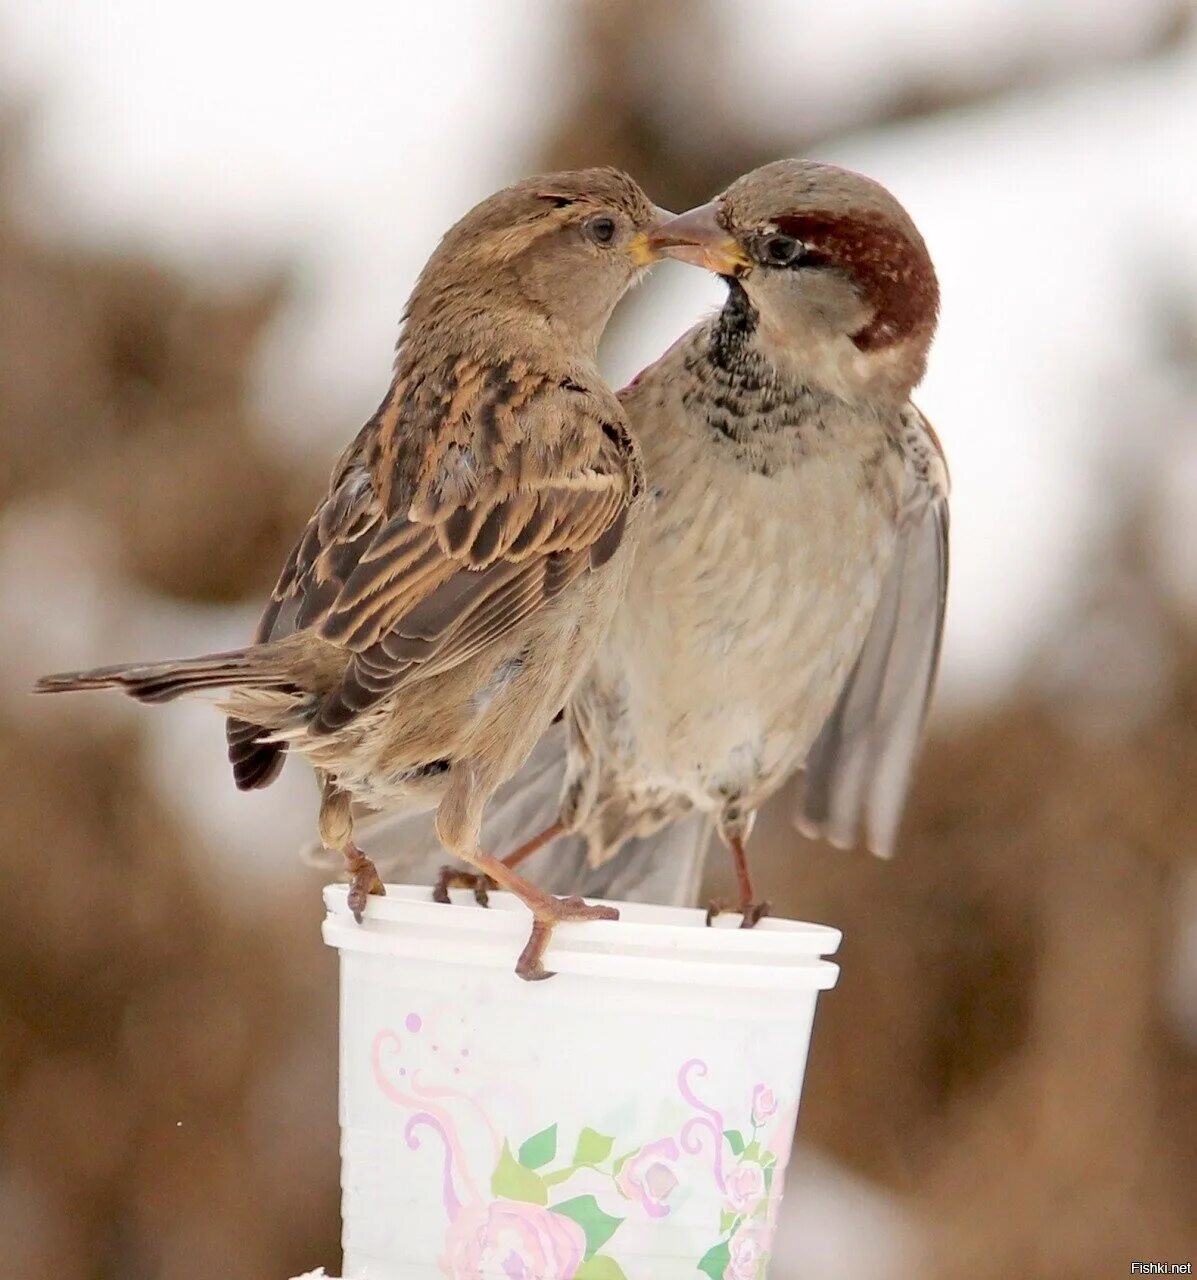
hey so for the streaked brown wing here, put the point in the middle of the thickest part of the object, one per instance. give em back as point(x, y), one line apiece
point(344, 527)
point(336, 537)
point(425, 597)
point(496, 527)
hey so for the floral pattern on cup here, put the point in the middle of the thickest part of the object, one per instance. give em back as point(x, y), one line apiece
point(764, 1105)
point(549, 1216)
point(649, 1176)
point(748, 1253)
point(515, 1239)
point(745, 1188)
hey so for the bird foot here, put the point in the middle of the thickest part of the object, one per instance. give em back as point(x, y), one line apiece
point(547, 916)
point(751, 912)
point(363, 881)
point(451, 877)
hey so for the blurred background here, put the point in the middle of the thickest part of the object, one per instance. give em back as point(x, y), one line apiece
point(209, 220)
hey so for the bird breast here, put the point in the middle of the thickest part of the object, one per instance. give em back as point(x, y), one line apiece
point(749, 600)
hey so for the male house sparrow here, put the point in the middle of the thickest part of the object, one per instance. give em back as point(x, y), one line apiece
point(786, 604)
point(473, 544)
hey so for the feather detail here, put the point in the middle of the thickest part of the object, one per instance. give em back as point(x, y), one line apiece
point(164, 681)
point(409, 586)
point(859, 768)
point(664, 868)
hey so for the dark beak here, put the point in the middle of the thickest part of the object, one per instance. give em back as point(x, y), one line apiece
point(697, 238)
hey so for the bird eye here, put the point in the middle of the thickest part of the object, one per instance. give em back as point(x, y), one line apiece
point(778, 250)
point(601, 229)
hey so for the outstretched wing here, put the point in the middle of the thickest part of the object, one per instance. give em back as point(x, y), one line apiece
point(858, 770)
point(416, 563)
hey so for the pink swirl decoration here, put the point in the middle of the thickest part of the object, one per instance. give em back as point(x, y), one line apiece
point(710, 1120)
point(448, 1191)
point(438, 1117)
point(443, 1091)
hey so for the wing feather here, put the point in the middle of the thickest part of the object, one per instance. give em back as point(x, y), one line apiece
point(491, 531)
point(858, 770)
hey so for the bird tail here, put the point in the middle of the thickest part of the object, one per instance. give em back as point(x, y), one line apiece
point(164, 681)
point(664, 868)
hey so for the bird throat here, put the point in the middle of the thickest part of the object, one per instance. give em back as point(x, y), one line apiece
point(733, 330)
point(763, 414)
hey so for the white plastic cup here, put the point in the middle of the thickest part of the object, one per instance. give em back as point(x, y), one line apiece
point(631, 1117)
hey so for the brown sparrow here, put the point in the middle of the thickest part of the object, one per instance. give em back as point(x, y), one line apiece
point(786, 603)
point(473, 544)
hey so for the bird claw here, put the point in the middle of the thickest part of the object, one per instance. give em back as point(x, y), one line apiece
point(548, 916)
point(751, 913)
point(451, 877)
point(754, 913)
point(561, 910)
point(363, 881)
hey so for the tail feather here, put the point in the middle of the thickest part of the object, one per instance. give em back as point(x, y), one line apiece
point(256, 763)
point(665, 868)
point(156, 682)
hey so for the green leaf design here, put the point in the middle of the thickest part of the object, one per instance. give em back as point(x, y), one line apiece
point(514, 1182)
point(600, 1267)
point(727, 1222)
point(752, 1151)
point(735, 1140)
point(593, 1147)
point(540, 1148)
point(714, 1261)
point(768, 1178)
point(598, 1226)
point(619, 1164)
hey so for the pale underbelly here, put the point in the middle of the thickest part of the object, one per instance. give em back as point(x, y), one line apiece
point(741, 624)
point(713, 727)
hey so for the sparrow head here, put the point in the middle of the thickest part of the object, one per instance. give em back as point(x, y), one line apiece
point(565, 246)
point(834, 270)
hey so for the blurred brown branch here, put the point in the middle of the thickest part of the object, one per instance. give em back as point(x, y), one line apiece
point(167, 1072)
point(124, 388)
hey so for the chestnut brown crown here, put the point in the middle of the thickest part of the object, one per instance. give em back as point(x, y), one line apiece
point(799, 215)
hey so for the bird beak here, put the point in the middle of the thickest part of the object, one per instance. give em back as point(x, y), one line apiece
point(697, 238)
point(640, 247)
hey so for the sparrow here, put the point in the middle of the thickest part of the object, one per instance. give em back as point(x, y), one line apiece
point(476, 536)
point(784, 611)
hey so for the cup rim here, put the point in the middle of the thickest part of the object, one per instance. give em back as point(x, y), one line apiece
point(666, 943)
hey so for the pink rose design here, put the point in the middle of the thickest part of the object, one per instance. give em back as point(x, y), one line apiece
point(649, 1176)
point(749, 1249)
point(745, 1187)
point(764, 1104)
point(514, 1240)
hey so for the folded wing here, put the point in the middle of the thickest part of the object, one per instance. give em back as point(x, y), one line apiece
point(413, 570)
point(859, 768)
